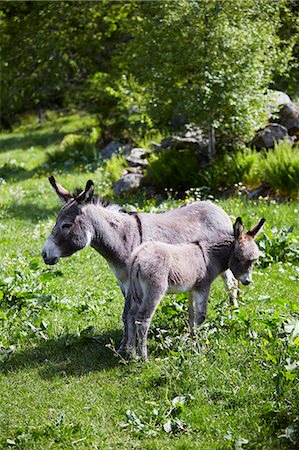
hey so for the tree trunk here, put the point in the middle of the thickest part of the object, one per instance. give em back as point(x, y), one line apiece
point(212, 143)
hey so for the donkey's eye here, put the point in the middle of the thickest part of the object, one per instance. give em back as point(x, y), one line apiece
point(66, 225)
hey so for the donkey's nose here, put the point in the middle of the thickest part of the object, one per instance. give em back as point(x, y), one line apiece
point(247, 279)
point(48, 260)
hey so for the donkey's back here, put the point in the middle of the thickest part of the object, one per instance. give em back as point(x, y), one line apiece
point(198, 220)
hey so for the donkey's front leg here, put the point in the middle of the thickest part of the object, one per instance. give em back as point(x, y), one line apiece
point(231, 285)
point(198, 302)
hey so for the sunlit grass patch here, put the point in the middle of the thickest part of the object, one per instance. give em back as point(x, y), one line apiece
point(234, 385)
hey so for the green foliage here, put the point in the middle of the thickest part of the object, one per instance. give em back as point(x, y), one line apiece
point(49, 50)
point(114, 167)
point(280, 169)
point(77, 149)
point(137, 62)
point(229, 169)
point(279, 245)
point(181, 169)
point(290, 30)
point(209, 62)
point(177, 169)
point(121, 106)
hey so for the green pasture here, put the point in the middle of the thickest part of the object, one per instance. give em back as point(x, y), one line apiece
point(234, 386)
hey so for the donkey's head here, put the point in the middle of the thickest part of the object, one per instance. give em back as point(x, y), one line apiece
point(245, 251)
point(72, 230)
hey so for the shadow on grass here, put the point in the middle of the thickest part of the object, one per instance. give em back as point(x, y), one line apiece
point(11, 172)
point(26, 141)
point(30, 211)
point(36, 138)
point(68, 355)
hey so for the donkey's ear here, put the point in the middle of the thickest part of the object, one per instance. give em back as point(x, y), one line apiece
point(254, 231)
point(86, 195)
point(238, 228)
point(62, 193)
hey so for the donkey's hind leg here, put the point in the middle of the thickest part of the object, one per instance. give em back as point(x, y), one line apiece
point(142, 326)
point(145, 314)
point(131, 328)
point(123, 344)
point(231, 285)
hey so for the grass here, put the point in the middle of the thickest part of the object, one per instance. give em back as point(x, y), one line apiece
point(235, 386)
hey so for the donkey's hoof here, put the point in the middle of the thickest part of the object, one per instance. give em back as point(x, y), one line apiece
point(122, 350)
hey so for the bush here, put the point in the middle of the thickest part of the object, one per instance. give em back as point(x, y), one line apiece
point(120, 106)
point(177, 169)
point(280, 169)
point(229, 169)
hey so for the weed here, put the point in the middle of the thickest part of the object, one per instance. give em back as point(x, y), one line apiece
point(278, 246)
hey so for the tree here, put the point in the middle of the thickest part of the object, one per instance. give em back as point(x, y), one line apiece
point(50, 49)
point(209, 61)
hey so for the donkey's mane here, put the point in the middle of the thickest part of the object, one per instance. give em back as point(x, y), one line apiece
point(100, 201)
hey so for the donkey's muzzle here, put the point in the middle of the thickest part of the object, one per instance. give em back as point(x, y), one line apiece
point(247, 279)
point(51, 261)
point(48, 260)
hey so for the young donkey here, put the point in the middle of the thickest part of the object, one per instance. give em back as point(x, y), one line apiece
point(86, 220)
point(158, 268)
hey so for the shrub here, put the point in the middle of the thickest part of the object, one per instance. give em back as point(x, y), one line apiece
point(228, 169)
point(177, 169)
point(280, 169)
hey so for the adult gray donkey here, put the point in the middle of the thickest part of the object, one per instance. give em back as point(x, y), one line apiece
point(86, 220)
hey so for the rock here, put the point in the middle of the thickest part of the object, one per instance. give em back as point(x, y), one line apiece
point(128, 183)
point(139, 153)
point(268, 136)
point(193, 139)
point(260, 191)
point(133, 170)
point(110, 149)
point(113, 148)
point(289, 118)
point(136, 162)
point(137, 158)
point(181, 142)
point(277, 99)
point(155, 146)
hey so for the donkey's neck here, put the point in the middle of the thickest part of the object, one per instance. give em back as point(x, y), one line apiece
point(114, 233)
point(219, 254)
